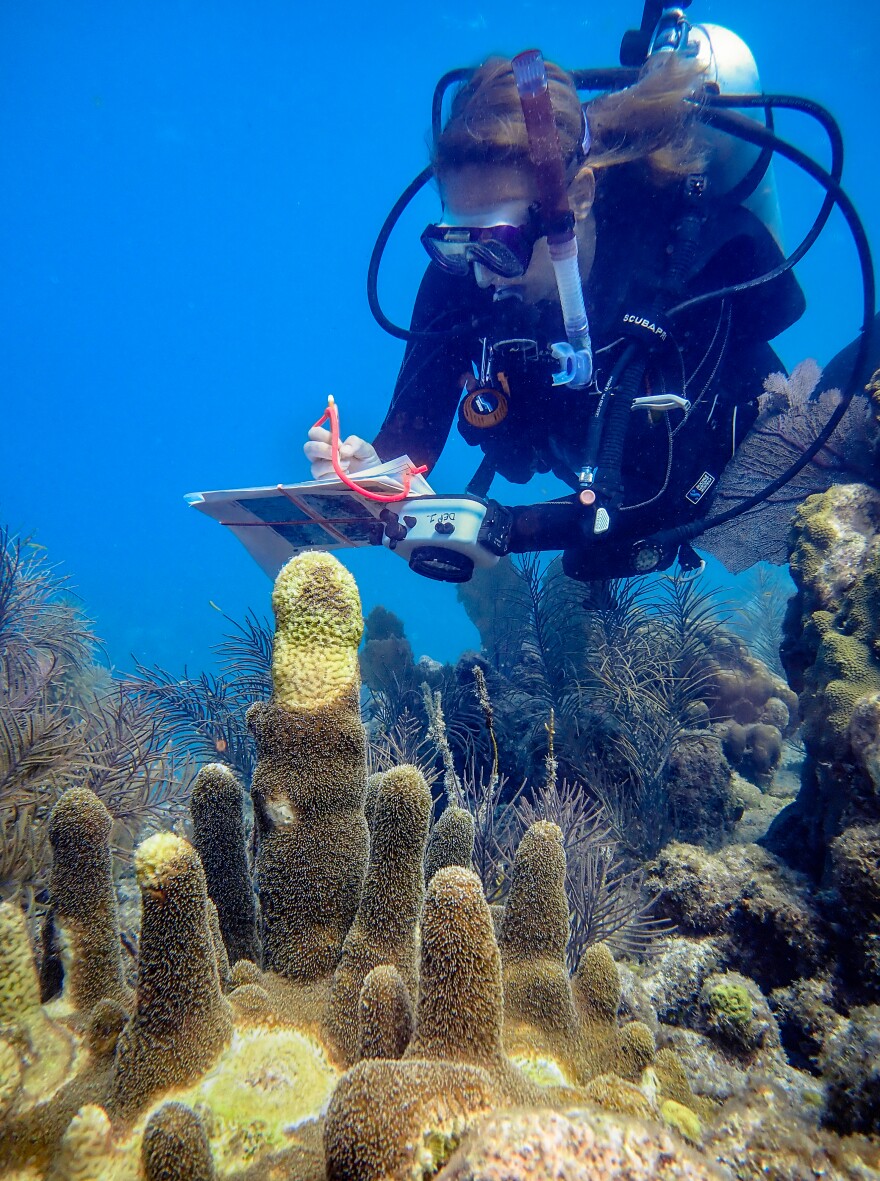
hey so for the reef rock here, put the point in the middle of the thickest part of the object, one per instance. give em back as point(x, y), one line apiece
point(762, 915)
point(832, 656)
point(576, 1144)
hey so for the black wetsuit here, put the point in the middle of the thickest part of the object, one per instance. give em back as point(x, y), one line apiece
point(716, 356)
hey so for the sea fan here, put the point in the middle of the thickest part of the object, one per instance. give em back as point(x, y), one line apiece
point(792, 416)
point(64, 723)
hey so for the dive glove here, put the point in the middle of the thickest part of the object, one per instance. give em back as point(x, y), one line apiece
point(355, 454)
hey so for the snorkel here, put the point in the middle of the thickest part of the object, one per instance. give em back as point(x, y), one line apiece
point(545, 153)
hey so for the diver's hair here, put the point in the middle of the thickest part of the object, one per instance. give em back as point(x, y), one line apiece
point(652, 121)
point(486, 125)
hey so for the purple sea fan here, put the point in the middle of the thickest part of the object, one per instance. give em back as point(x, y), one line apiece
point(791, 417)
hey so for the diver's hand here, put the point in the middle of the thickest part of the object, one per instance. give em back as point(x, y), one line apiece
point(355, 454)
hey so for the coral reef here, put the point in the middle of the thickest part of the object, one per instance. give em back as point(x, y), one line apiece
point(384, 929)
point(576, 1143)
point(850, 1062)
point(703, 801)
point(737, 1014)
point(854, 873)
point(384, 1029)
point(175, 1147)
point(763, 916)
point(386, 658)
point(792, 415)
point(451, 841)
point(830, 654)
point(64, 722)
point(82, 925)
point(534, 936)
point(760, 979)
point(206, 715)
point(832, 830)
point(752, 708)
point(385, 1014)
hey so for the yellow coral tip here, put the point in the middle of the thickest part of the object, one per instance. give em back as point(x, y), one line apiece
point(160, 857)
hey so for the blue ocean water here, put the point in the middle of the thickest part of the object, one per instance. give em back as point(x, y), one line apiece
point(190, 196)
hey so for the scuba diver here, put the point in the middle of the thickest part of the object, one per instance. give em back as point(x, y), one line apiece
point(603, 286)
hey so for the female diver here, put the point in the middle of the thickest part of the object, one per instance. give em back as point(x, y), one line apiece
point(653, 229)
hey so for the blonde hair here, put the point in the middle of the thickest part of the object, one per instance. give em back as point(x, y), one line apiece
point(653, 121)
point(486, 125)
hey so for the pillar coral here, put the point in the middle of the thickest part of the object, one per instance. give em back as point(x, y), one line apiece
point(533, 939)
point(451, 841)
point(384, 931)
point(345, 958)
point(310, 781)
point(217, 809)
point(181, 1021)
point(82, 925)
point(387, 1118)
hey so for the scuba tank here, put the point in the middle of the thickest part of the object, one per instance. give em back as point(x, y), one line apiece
point(735, 170)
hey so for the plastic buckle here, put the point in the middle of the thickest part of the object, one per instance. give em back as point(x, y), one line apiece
point(661, 402)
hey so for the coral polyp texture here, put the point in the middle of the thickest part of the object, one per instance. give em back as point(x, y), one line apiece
point(309, 786)
point(217, 809)
point(316, 1000)
point(180, 1020)
point(82, 924)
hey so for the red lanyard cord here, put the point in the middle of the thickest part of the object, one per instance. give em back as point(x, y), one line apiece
point(332, 414)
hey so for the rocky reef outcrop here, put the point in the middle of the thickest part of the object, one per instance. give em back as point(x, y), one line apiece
point(832, 654)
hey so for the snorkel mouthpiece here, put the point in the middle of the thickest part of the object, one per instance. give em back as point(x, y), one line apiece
point(545, 153)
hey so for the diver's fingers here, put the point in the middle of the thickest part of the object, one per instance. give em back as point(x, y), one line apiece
point(363, 454)
point(320, 456)
point(356, 447)
point(354, 454)
point(317, 450)
point(323, 469)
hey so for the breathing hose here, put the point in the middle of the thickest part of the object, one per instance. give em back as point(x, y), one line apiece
point(749, 130)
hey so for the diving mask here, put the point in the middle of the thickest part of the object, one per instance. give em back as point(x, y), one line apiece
point(504, 249)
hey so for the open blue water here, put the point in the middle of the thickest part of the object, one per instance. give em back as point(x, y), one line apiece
point(190, 194)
